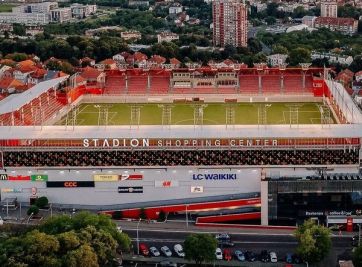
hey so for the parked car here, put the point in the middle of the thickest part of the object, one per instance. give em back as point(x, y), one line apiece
point(227, 254)
point(144, 249)
point(289, 258)
point(239, 255)
point(168, 264)
point(154, 252)
point(179, 250)
point(166, 251)
point(250, 256)
point(218, 254)
point(273, 257)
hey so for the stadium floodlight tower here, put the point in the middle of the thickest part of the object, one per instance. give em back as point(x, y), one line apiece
point(230, 111)
point(325, 115)
point(262, 113)
point(260, 68)
point(282, 68)
point(166, 113)
point(72, 115)
point(305, 68)
point(199, 113)
point(135, 114)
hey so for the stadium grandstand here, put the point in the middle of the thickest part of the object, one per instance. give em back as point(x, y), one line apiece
point(175, 138)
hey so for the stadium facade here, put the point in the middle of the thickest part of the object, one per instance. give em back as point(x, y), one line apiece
point(217, 173)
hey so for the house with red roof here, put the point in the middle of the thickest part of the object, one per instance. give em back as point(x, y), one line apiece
point(156, 61)
point(93, 76)
point(10, 85)
point(358, 76)
point(37, 76)
point(175, 63)
point(108, 64)
point(345, 77)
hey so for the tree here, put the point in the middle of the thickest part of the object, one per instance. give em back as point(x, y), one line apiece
point(42, 202)
point(357, 257)
point(314, 241)
point(299, 55)
point(83, 256)
point(200, 248)
point(33, 210)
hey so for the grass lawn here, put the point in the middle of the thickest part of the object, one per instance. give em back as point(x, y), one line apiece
point(6, 7)
point(183, 114)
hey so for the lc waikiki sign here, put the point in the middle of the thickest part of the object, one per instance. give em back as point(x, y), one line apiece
point(162, 143)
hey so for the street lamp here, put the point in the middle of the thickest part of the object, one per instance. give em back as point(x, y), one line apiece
point(138, 241)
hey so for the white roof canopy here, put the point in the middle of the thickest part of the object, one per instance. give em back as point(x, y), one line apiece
point(16, 101)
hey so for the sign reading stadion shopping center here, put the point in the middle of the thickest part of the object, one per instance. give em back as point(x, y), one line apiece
point(146, 142)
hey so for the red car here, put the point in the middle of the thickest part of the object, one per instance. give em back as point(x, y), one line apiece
point(227, 254)
point(144, 249)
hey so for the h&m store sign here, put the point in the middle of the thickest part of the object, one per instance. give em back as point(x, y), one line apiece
point(161, 143)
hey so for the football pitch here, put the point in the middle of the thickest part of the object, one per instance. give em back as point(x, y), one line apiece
point(184, 114)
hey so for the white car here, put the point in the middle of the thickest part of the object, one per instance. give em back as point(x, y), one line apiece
point(273, 257)
point(218, 254)
point(179, 250)
point(154, 252)
point(166, 251)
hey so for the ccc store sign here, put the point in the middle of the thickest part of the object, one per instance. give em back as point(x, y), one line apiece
point(70, 184)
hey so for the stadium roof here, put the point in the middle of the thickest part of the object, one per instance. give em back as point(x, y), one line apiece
point(16, 101)
point(182, 132)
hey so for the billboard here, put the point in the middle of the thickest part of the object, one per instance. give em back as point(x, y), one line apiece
point(130, 189)
point(19, 178)
point(11, 190)
point(70, 184)
point(105, 177)
point(166, 183)
point(124, 177)
point(3, 177)
point(39, 178)
point(197, 189)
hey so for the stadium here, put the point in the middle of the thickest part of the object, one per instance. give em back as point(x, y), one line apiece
point(258, 144)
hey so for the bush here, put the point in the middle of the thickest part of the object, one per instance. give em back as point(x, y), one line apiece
point(33, 209)
point(42, 202)
point(143, 215)
point(117, 215)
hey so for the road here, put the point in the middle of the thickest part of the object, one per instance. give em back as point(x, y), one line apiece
point(282, 242)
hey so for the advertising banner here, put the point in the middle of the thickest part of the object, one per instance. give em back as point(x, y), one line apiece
point(130, 189)
point(197, 189)
point(19, 178)
point(124, 177)
point(11, 190)
point(3, 177)
point(70, 184)
point(39, 178)
point(105, 177)
point(166, 183)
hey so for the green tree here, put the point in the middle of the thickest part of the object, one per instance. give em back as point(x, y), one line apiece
point(299, 55)
point(83, 256)
point(42, 202)
point(200, 248)
point(314, 241)
point(357, 257)
point(33, 210)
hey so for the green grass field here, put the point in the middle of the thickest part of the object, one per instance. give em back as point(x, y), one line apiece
point(6, 7)
point(183, 114)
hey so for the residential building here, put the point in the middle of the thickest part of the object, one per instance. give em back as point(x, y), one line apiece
point(333, 58)
point(5, 27)
point(138, 3)
point(34, 30)
point(329, 8)
point(358, 76)
point(80, 11)
point(131, 35)
point(229, 23)
point(344, 25)
point(277, 59)
point(61, 15)
point(175, 9)
point(309, 21)
point(167, 37)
